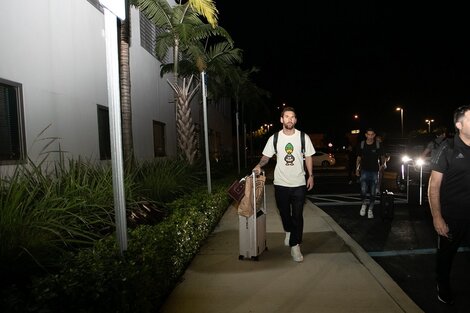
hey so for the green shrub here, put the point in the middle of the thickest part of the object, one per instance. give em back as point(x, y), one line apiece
point(52, 258)
point(101, 280)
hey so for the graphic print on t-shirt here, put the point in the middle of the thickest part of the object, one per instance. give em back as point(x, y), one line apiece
point(289, 158)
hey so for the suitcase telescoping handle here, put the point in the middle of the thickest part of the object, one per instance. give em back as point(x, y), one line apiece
point(255, 230)
point(253, 176)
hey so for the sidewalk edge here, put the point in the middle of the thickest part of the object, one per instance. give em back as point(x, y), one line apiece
point(382, 277)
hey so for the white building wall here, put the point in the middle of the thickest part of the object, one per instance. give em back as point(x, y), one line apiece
point(56, 50)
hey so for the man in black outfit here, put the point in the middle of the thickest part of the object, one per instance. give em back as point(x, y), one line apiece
point(449, 199)
point(370, 160)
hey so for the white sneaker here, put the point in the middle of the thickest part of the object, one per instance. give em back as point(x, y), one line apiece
point(296, 254)
point(362, 212)
point(286, 240)
point(370, 214)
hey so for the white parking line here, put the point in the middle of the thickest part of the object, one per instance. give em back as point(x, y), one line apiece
point(410, 252)
point(347, 199)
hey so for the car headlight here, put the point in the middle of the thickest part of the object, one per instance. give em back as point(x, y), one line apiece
point(406, 159)
point(420, 162)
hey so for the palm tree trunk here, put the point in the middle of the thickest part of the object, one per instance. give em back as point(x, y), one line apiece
point(186, 133)
point(125, 87)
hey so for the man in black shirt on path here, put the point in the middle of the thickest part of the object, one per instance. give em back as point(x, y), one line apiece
point(449, 199)
point(370, 160)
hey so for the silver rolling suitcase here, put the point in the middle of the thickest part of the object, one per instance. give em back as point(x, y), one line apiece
point(252, 229)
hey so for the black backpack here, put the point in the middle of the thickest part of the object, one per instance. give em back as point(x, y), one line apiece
point(377, 144)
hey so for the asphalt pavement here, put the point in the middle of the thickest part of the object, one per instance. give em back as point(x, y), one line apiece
point(403, 246)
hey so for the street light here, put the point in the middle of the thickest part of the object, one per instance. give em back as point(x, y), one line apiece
point(268, 126)
point(401, 115)
point(420, 163)
point(429, 124)
point(355, 125)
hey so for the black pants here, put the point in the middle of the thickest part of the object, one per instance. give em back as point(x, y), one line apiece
point(447, 248)
point(290, 203)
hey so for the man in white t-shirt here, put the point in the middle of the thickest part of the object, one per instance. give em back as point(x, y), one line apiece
point(290, 182)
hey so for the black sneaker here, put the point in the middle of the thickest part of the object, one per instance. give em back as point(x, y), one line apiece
point(444, 294)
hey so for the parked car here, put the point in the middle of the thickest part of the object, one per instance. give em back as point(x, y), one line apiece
point(323, 159)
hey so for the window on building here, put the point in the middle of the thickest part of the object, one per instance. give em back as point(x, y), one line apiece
point(104, 133)
point(159, 139)
point(12, 139)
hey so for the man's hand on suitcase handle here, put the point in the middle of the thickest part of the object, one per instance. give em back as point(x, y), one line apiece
point(264, 160)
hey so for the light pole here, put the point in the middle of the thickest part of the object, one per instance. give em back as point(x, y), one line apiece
point(429, 124)
point(268, 126)
point(355, 125)
point(401, 117)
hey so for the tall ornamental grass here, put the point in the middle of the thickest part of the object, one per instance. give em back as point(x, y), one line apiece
point(46, 212)
point(164, 180)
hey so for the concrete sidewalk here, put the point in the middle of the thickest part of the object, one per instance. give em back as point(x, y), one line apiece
point(337, 275)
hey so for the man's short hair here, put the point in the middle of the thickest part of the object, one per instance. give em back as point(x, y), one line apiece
point(287, 109)
point(460, 112)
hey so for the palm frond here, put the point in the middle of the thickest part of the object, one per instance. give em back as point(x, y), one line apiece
point(223, 52)
point(163, 43)
point(183, 14)
point(204, 31)
point(158, 11)
point(207, 9)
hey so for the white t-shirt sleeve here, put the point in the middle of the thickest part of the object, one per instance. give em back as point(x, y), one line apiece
point(269, 148)
point(309, 149)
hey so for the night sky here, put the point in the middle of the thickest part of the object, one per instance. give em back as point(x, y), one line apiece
point(333, 59)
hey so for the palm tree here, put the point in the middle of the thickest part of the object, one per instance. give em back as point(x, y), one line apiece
point(125, 88)
point(220, 58)
point(240, 87)
point(215, 61)
point(183, 32)
point(253, 100)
